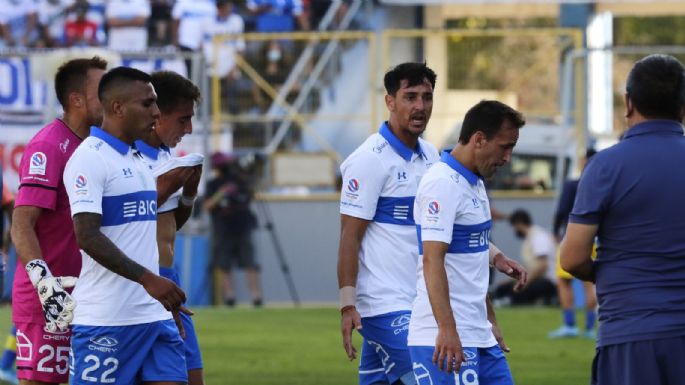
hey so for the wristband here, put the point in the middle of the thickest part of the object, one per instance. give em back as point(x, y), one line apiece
point(348, 296)
point(187, 201)
point(37, 269)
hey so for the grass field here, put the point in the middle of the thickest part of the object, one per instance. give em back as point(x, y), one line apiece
point(284, 346)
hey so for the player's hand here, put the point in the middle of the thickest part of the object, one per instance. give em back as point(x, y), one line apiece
point(350, 320)
point(58, 305)
point(177, 319)
point(163, 290)
point(448, 353)
point(190, 186)
point(172, 180)
point(500, 339)
point(512, 269)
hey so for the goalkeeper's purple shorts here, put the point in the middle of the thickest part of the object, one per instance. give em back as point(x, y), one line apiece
point(659, 361)
point(41, 355)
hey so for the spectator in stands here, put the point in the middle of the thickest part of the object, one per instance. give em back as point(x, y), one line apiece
point(18, 22)
point(159, 23)
point(276, 62)
point(221, 58)
point(127, 22)
point(538, 252)
point(189, 18)
point(81, 31)
point(278, 15)
point(52, 16)
point(228, 199)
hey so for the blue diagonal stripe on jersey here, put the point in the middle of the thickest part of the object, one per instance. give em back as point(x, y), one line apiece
point(465, 238)
point(134, 207)
point(395, 210)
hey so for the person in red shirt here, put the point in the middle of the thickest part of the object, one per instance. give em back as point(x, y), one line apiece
point(80, 31)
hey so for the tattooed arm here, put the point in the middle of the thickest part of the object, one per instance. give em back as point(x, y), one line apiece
point(106, 253)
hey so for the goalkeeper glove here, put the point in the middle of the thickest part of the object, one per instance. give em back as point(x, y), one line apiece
point(58, 305)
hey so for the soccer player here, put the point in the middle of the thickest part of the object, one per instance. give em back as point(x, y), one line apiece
point(176, 98)
point(43, 233)
point(453, 333)
point(629, 196)
point(122, 333)
point(378, 250)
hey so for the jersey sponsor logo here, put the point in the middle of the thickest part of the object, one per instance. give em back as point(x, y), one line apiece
point(103, 344)
point(475, 202)
point(470, 356)
point(434, 208)
point(401, 324)
point(24, 347)
point(379, 149)
point(64, 146)
point(353, 185)
point(401, 321)
point(38, 163)
point(134, 207)
point(401, 212)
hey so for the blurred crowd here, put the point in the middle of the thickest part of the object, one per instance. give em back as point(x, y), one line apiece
point(132, 25)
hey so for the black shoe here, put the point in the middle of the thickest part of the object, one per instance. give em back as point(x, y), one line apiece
point(230, 302)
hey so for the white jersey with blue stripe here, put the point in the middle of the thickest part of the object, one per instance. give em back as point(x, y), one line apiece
point(154, 157)
point(452, 207)
point(379, 184)
point(106, 176)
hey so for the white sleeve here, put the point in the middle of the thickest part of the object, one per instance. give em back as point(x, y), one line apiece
point(85, 178)
point(170, 204)
point(363, 179)
point(436, 207)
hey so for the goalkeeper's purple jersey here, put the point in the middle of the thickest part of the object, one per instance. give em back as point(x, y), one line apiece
point(40, 185)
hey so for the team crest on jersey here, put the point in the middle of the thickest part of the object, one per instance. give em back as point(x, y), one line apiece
point(38, 163)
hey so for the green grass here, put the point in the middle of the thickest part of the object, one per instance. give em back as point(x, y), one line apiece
point(302, 346)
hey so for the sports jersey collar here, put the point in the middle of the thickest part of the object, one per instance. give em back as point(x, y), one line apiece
point(395, 142)
point(653, 127)
point(147, 150)
point(115, 143)
point(446, 157)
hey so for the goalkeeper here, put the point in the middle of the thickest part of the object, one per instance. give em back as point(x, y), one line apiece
point(42, 230)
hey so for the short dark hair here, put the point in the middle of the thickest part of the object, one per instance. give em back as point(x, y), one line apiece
point(117, 77)
point(487, 116)
point(413, 73)
point(173, 89)
point(72, 76)
point(656, 87)
point(520, 216)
